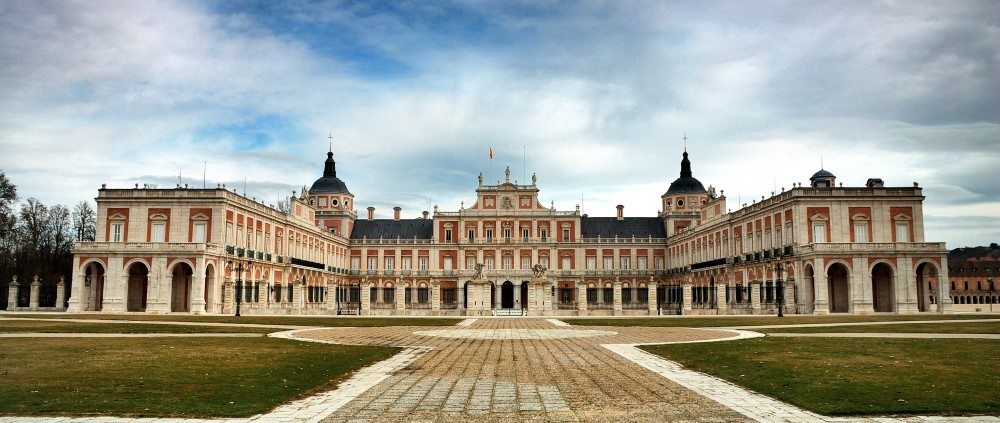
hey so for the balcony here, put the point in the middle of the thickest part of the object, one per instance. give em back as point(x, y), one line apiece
point(355, 272)
point(608, 272)
point(389, 272)
point(881, 247)
point(423, 272)
point(406, 272)
point(372, 272)
point(449, 273)
point(567, 272)
point(591, 272)
point(788, 250)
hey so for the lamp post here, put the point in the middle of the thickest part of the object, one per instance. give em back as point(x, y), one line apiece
point(239, 266)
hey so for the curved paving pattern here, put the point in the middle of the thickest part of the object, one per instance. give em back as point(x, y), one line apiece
point(524, 370)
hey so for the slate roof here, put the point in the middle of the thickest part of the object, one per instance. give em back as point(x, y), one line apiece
point(609, 227)
point(392, 229)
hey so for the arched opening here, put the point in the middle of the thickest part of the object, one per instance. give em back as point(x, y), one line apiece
point(465, 295)
point(810, 291)
point(180, 288)
point(138, 285)
point(524, 294)
point(926, 286)
point(507, 295)
point(493, 295)
point(93, 284)
point(209, 288)
point(838, 288)
point(882, 289)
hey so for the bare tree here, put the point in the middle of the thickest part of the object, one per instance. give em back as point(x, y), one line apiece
point(85, 221)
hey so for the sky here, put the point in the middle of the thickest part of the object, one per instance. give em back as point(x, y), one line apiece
point(594, 98)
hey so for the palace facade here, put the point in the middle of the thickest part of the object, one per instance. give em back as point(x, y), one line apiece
point(815, 249)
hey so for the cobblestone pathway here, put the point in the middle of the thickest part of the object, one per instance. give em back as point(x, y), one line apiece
point(524, 370)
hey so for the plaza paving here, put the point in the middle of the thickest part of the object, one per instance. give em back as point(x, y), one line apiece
point(519, 369)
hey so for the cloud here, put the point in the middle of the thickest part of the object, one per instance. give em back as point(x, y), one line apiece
point(594, 98)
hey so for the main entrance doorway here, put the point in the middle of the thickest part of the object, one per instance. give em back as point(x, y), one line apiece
point(507, 295)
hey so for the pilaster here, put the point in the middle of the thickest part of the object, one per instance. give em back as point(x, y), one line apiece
point(651, 299)
point(755, 297)
point(198, 287)
point(365, 296)
point(401, 298)
point(78, 296)
point(821, 302)
point(686, 292)
point(228, 305)
point(581, 297)
point(861, 287)
point(720, 298)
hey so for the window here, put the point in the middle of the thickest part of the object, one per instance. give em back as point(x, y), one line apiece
point(159, 229)
point(423, 263)
point(407, 263)
point(609, 263)
point(267, 243)
point(199, 232)
point(544, 261)
point(372, 263)
point(902, 232)
point(472, 235)
point(642, 263)
point(767, 239)
point(525, 262)
point(591, 263)
point(260, 242)
point(566, 263)
point(117, 231)
point(489, 235)
point(659, 263)
point(489, 263)
point(447, 235)
point(390, 263)
point(447, 263)
point(777, 236)
point(508, 262)
point(239, 237)
point(544, 234)
point(355, 263)
point(470, 263)
point(860, 231)
point(506, 235)
point(565, 235)
point(626, 263)
point(229, 234)
point(525, 233)
point(819, 233)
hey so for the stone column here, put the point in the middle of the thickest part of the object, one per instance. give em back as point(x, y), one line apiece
point(944, 302)
point(651, 298)
point(755, 297)
point(331, 295)
point(860, 283)
point(78, 297)
point(618, 296)
point(228, 305)
point(12, 294)
point(198, 287)
point(821, 301)
point(61, 294)
point(159, 285)
point(686, 293)
point(461, 295)
point(720, 298)
point(435, 297)
point(364, 296)
point(789, 291)
point(36, 287)
point(400, 298)
point(581, 297)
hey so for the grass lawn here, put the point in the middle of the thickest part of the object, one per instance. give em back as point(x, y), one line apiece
point(712, 321)
point(856, 376)
point(968, 327)
point(169, 376)
point(329, 321)
point(56, 326)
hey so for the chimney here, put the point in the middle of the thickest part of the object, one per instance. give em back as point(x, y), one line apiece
point(395, 212)
point(371, 213)
point(621, 212)
point(425, 214)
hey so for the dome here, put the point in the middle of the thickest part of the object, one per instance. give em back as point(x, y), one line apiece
point(329, 183)
point(823, 173)
point(686, 184)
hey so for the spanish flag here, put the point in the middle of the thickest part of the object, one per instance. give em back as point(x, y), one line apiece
point(491, 153)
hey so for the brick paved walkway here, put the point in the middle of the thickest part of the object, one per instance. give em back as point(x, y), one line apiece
point(524, 370)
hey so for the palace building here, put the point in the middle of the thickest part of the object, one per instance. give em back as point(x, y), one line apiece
point(817, 249)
